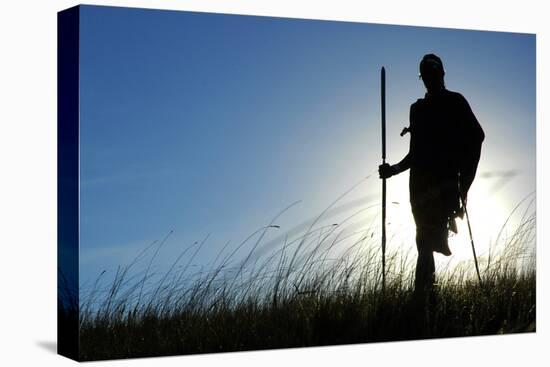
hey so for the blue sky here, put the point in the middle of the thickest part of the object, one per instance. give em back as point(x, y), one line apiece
point(211, 124)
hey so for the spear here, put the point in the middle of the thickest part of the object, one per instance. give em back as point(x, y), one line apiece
point(383, 100)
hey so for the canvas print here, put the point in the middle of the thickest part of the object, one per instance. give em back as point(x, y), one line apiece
point(236, 183)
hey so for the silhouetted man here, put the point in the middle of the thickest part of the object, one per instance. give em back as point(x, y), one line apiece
point(444, 151)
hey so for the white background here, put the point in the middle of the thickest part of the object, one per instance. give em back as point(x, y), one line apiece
point(28, 181)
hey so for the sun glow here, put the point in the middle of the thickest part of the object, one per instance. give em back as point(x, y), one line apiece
point(487, 213)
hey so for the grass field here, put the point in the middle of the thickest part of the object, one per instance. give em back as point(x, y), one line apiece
point(301, 295)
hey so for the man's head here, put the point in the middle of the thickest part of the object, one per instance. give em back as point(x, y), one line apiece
point(432, 72)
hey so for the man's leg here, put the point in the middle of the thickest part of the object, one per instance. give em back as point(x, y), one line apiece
point(425, 266)
point(423, 284)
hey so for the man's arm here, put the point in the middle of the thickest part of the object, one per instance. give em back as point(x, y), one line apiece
point(403, 165)
point(471, 141)
point(386, 170)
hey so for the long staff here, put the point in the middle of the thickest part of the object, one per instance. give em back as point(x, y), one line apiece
point(383, 100)
point(471, 235)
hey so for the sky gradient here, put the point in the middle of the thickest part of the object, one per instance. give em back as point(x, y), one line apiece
point(210, 124)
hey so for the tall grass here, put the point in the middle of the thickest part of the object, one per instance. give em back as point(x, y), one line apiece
point(321, 287)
